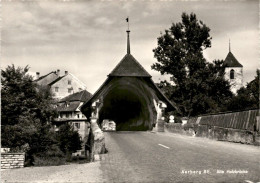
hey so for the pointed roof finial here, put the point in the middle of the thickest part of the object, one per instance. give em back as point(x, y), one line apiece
point(229, 46)
point(128, 39)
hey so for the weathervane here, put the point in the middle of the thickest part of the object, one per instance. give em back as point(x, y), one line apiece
point(127, 20)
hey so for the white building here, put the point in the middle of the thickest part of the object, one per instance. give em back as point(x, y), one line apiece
point(233, 72)
point(61, 86)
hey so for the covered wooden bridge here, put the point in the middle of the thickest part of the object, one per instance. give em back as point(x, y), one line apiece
point(129, 97)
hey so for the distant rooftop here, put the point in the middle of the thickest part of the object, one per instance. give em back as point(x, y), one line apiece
point(56, 80)
point(81, 96)
point(72, 102)
point(68, 107)
point(231, 61)
point(44, 76)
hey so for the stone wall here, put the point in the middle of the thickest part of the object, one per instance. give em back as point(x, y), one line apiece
point(96, 141)
point(187, 129)
point(12, 160)
point(215, 133)
point(160, 125)
point(226, 134)
point(241, 127)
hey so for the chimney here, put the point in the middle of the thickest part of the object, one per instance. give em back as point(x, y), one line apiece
point(37, 75)
point(66, 72)
point(58, 72)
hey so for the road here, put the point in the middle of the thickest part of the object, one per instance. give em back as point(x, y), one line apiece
point(145, 157)
point(164, 157)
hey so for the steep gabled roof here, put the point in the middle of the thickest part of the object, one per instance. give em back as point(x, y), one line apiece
point(82, 96)
point(129, 66)
point(42, 77)
point(68, 107)
point(231, 61)
point(56, 80)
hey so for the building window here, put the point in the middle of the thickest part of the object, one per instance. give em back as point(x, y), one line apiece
point(56, 89)
point(78, 115)
point(69, 82)
point(77, 125)
point(70, 90)
point(232, 74)
point(67, 115)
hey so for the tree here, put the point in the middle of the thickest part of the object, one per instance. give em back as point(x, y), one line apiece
point(200, 86)
point(26, 111)
point(69, 140)
point(247, 97)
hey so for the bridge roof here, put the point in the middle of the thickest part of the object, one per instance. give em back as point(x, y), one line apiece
point(129, 66)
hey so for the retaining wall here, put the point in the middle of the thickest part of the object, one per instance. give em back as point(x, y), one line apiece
point(215, 133)
point(226, 134)
point(12, 160)
point(187, 129)
point(241, 127)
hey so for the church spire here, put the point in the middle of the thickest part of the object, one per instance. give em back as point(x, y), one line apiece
point(128, 39)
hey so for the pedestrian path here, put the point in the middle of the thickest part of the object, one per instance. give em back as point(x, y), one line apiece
point(85, 173)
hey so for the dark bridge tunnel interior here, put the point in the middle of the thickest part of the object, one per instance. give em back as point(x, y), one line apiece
point(127, 108)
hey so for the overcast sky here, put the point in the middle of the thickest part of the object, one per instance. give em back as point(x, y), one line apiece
point(88, 38)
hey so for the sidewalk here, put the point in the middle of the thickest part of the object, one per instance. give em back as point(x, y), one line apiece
point(88, 172)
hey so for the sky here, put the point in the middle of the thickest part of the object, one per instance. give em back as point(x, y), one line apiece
point(88, 38)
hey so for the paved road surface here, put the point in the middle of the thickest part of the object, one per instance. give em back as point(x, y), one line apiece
point(162, 157)
point(149, 157)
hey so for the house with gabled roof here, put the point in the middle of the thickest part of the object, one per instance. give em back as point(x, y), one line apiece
point(61, 86)
point(46, 79)
point(233, 71)
point(69, 112)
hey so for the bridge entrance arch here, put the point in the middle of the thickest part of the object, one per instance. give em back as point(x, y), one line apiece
point(129, 97)
point(128, 105)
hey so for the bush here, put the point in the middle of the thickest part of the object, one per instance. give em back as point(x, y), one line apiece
point(69, 140)
point(79, 159)
point(53, 156)
point(48, 161)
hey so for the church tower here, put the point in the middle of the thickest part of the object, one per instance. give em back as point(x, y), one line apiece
point(233, 72)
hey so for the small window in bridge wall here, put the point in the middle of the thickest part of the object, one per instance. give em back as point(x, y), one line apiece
point(232, 74)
